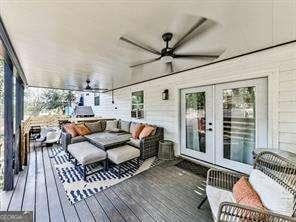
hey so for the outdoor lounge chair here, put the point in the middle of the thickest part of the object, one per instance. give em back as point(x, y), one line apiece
point(277, 176)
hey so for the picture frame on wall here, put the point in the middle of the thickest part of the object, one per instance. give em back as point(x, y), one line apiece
point(137, 109)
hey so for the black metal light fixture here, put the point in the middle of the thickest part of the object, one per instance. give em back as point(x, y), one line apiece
point(165, 94)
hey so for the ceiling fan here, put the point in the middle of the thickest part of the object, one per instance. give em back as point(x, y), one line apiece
point(88, 87)
point(168, 54)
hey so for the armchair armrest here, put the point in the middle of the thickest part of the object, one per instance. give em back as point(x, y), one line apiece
point(236, 212)
point(222, 179)
point(65, 140)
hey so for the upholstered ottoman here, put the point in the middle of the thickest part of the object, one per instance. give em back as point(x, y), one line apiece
point(85, 153)
point(123, 154)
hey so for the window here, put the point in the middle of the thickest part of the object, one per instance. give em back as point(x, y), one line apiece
point(96, 99)
point(137, 105)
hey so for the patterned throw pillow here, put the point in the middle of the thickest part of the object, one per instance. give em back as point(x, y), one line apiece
point(244, 194)
point(81, 129)
point(94, 127)
point(147, 131)
point(125, 126)
point(111, 125)
point(137, 130)
point(70, 129)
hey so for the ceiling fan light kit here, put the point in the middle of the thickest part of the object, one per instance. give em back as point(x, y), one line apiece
point(167, 54)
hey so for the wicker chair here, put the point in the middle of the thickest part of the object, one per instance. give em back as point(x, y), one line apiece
point(276, 167)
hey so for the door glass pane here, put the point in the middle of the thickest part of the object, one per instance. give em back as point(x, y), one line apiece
point(196, 121)
point(239, 124)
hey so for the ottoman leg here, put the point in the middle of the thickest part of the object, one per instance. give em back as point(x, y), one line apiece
point(105, 163)
point(119, 171)
point(84, 172)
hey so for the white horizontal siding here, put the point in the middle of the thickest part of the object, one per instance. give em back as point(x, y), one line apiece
point(278, 64)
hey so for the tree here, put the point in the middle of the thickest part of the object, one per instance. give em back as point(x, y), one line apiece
point(47, 101)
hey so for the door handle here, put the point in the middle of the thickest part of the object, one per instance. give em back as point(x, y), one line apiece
point(210, 129)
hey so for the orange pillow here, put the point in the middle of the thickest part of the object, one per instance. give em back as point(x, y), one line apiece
point(244, 194)
point(137, 130)
point(147, 131)
point(70, 129)
point(81, 129)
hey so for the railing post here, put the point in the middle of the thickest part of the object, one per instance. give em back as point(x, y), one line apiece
point(8, 125)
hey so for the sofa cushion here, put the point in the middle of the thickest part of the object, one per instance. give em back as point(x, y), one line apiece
point(81, 129)
point(216, 196)
point(132, 127)
point(273, 195)
point(78, 139)
point(135, 142)
point(111, 125)
point(244, 194)
point(146, 131)
point(86, 153)
point(70, 129)
point(124, 126)
point(94, 127)
point(137, 130)
point(122, 154)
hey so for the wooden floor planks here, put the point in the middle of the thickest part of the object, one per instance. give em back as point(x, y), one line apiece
point(164, 193)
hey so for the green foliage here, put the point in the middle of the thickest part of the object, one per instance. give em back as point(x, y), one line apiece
point(47, 101)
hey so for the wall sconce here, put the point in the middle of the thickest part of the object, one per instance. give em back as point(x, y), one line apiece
point(165, 94)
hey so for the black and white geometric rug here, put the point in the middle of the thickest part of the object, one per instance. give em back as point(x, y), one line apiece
point(77, 189)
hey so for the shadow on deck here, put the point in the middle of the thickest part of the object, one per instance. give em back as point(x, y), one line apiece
point(163, 193)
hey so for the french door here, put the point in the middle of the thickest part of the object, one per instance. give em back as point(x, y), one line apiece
point(222, 124)
point(197, 123)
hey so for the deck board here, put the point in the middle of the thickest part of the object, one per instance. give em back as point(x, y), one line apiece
point(164, 193)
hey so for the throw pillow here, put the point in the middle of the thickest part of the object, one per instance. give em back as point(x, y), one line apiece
point(81, 129)
point(94, 127)
point(244, 194)
point(111, 125)
point(147, 130)
point(125, 126)
point(273, 195)
point(70, 129)
point(137, 130)
point(132, 127)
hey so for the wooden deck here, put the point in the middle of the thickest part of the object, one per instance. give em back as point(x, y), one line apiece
point(163, 193)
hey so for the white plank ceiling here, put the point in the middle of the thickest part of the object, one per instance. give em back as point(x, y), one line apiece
point(61, 43)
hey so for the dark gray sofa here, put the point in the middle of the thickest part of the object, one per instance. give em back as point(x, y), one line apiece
point(148, 146)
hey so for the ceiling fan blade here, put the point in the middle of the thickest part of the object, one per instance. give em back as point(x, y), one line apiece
point(144, 47)
point(193, 28)
point(145, 62)
point(196, 56)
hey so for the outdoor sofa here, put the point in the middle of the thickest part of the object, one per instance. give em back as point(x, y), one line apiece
point(106, 139)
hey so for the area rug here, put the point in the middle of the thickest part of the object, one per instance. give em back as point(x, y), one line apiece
point(194, 168)
point(77, 189)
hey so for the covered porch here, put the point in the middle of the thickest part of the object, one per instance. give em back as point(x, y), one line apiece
point(186, 80)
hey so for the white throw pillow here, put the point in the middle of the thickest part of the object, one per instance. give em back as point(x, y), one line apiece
point(273, 195)
point(111, 125)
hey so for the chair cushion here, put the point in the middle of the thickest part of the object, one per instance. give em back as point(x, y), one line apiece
point(135, 142)
point(146, 131)
point(122, 154)
point(137, 130)
point(81, 129)
point(125, 126)
point(216, 196)
point(132, 127)
point(244, 194)
point(70, 129)
point(273, 195)
point(111, 125)
point(86, 153)
point(94, 127)
point(78, 139)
